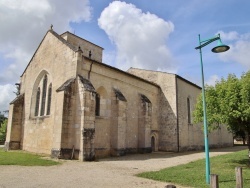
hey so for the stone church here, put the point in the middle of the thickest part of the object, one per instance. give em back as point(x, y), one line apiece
point(72, 105)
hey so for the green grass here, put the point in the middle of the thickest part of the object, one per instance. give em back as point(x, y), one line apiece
point(24, 159)
point(193, 173)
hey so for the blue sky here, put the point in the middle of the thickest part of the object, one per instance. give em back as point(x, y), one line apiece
point(159, 35)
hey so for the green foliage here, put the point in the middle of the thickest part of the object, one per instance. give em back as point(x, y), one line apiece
point(2, 118)
point(23, 159)
point(227, 103)
point(193, 173)
point(3, 130)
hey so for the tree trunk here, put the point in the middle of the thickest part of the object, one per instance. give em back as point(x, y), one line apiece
point(244, 141)
point(248, 139)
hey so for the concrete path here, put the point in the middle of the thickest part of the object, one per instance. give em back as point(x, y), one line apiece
point(115, 172)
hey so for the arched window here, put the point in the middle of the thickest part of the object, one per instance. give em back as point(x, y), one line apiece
point(97, 104)
point(102, 105)
point(44, 95)
point(49, 100)
point(189, 111)
point(41, 95)
point(37, 101)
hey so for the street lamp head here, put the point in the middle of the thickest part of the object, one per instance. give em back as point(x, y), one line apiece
point(220, 47)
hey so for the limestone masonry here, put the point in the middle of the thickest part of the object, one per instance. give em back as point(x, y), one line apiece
point(71, 105)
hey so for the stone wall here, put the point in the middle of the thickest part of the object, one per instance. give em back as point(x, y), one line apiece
point(54, 58)
point(15, 124)
point(118, 127)
point(86, 46)
point(191, 136)
point(178, 134)
point(166, 118)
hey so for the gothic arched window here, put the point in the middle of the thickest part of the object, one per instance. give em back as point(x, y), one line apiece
point(37, 101)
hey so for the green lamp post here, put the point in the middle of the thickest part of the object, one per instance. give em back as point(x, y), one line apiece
point(218, 49)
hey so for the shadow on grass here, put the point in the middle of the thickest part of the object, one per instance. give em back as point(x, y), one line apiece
point(245, 163)
point(233, 180)
point(226, 181)
point(146, 156)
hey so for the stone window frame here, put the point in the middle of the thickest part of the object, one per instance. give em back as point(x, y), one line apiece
point(41, 105)
point(102, 108)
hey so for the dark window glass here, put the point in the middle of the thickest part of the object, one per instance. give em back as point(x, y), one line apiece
point(37, 101)
point(49, 100)
point(43, 95)
point(188, 110)
point(97, 104)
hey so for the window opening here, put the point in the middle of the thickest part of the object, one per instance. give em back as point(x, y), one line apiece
point(189, 111)
point(43, 95)
point(37, 101)
point(49, 99)
point(97, 104)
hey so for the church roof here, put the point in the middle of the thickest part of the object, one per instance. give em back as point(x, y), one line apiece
point(86, 83)
point(65, 85)
point(176, 75)
point(119, 94)
point(18, 98)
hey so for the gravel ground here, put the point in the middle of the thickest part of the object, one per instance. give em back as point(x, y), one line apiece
point(115, 172)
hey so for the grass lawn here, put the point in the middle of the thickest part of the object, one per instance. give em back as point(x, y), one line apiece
point(193, 174)
point(23, 159)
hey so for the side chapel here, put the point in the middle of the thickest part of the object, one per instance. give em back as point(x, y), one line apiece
point(72, 105)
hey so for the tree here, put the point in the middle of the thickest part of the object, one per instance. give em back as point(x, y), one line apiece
point(2, 118)
point(3, 130)
point(227, 103)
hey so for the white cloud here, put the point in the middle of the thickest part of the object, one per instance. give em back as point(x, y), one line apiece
point(232, 35)
point(212, 80)
point(239, 48)
point(6, 96)
point(140, 37)
point(24, 23)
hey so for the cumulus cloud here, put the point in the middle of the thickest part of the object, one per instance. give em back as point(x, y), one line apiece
point(239, 45)
point(140, 38)
point(24, 23)
point(6, 96)
point(212, 80)
point(232, 35)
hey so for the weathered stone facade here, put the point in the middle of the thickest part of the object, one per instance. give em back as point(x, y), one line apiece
point(71, 105)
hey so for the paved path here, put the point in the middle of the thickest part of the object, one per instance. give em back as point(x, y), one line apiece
point(115, 172)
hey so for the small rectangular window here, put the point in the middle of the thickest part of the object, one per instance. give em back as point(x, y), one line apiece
point(97, 104)
point(189, 111)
